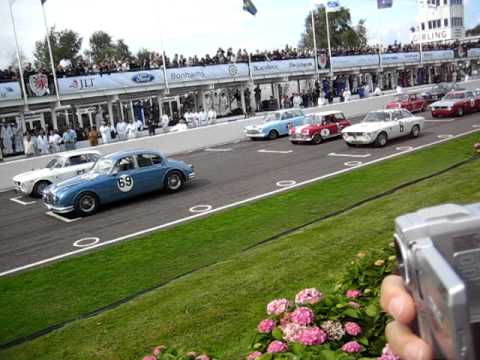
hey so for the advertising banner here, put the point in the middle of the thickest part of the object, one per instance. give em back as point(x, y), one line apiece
point(438, 55)
point(113, 81)
point(10, 91)
point(400, 58)
point(282, 67)
point(354, 61)
point(205, 73)
point(474, 53)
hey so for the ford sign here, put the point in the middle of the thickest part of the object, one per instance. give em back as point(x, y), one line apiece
point(143, 78)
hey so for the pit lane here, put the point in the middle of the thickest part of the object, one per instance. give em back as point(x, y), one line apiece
point(227, 176)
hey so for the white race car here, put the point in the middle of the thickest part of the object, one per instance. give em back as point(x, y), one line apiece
point(59, 168)
point(379, 127)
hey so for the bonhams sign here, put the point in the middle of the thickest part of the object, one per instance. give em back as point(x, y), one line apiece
point(207, 73)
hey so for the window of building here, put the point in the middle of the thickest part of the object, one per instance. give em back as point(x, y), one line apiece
point(439, 23)
point(429, 24)
point(445, 2)
point(445, 22)
point(457, 21)
point(457, 2)
point(423, 26)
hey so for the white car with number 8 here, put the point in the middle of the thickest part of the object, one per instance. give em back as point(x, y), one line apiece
point(378, 127)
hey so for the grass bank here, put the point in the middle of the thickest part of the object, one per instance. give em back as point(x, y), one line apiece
point(215, 306)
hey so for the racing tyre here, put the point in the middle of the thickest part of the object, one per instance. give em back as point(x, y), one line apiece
point(174, 181)
point(317, 139)
point(39, 188)
point(382, 140)
point(415, 131)
point(460, 112)
point(86, 204)
point(272, 135)
point(350, 145)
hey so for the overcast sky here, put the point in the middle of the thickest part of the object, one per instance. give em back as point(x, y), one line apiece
point(197, 26)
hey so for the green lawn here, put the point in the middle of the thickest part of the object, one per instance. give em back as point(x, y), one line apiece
point(217, 308)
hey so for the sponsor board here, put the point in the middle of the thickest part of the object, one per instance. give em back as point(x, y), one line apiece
point(282, 67)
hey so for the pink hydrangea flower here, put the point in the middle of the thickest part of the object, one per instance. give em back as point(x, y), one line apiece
point(278, 307)
point(352, 347)
point(158, 350)
point(387, 354)
point(308, 296)
point(277, 347)
point(254, 355)
point(202, 357)
point(266, 326)
point(352, 328)
point(311, 336)
point(354, 305)
point(150, 357)
point(303, 316)
point(353, 294)
point(334, 329)
point(291, 331)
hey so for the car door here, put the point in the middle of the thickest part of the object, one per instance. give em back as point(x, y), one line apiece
point(470, 97)
point(340, 122)
point(151, 171)
point(285, 123)
point(329, 128)
point(398, 122)
point(298, 118)
point(123, 182)
point(77, 165)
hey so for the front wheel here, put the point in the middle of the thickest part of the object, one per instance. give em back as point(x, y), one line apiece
point(460, 112)
point(350, 145)
point(174, 181)
point(39, 188)
point(415, 131)
point(382, 140)
point(272, 135)
point(317, 139)
point(86, 204)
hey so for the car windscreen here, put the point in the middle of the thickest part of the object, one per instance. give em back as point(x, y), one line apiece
point(403, 97)
point(376, 117)
point(271, 117)
point(313, 119)
point(55, 163)
point(453, 96)
point(103, 166)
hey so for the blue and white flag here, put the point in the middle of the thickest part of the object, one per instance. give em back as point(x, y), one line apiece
point(330, 5)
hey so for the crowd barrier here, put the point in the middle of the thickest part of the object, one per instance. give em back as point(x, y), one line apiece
point(38, 84)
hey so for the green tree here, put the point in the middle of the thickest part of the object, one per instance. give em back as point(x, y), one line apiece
point(342, 32)
point(475, 31)
point(66, 44)
point(101, 46)
point(122, 51)
point(143, 54)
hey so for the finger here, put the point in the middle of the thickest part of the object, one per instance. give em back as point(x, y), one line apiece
point(405, 344)
point(396, 300)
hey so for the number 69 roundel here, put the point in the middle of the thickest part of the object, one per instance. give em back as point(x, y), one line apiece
point(125, 183)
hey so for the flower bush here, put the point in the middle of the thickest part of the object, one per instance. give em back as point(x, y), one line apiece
point(346, 324)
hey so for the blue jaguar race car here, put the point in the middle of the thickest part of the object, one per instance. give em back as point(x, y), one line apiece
point(117, 177)
point(276, 124)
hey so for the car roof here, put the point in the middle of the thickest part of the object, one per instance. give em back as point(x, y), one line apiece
point(385, 110)
point(119, 154)
point(326, 113)
point(78, 152)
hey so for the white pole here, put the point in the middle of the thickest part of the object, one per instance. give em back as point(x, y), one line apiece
point(50, 52)
point(20, 69)
point(315, 43)
point(328, 41)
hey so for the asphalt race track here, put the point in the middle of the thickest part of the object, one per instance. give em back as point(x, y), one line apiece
point(226, 176)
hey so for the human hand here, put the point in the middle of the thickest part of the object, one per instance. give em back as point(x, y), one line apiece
point(396, 301)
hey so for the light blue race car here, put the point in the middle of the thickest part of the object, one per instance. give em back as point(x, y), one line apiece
point(276, 124)
point(117, 177)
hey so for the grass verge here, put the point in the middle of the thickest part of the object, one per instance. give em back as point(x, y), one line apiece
point(42, 297)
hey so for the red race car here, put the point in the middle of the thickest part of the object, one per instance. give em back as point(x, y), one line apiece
point(456, 103)
point(410, 102)
point(319, 127)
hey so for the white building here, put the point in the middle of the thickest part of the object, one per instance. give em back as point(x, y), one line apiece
point(439, 20)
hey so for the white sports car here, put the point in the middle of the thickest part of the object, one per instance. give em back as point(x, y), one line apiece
point(59, 168)
point(379, 127)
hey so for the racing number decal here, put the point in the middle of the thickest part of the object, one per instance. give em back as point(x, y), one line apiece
point(125, 183)
point(325, 133)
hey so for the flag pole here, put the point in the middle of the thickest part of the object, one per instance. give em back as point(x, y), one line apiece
point(328, 41)
point(50, 52)
point(315, 43)
point(20, 70)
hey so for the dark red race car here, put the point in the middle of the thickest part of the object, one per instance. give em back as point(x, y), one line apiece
point(319, 127)
point(411, 102)
point(456, 103)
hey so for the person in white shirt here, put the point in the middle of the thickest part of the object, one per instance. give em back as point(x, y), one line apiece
point(188, 118)
point(139, 125)
point(210, 117)
point(181, 126)
point(297, 101)
point(54, 140)
point(131, 130)
point(346, 95)
point(377, 91)
point(42, 143)
point(165, 122)
point(106, 133)
point(203, 118)
point(29, 145)
point(122, 130)
point(399, 89)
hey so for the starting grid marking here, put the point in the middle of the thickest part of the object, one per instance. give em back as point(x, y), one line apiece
point(218, 150)
point(264, 151)
point(61, 218)
point(24, 203)
point(440, 120)
point(351, 155)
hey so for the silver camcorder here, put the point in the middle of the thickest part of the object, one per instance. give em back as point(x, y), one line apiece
point(439, 258)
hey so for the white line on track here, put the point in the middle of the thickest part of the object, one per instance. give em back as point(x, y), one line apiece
point(86, 242)
point(218, 150)
point(350, 155)
point(264, 151)
point(226, 207)
point(24, 203)
point(61, 218)
point(476, 126)
point(439, 121)
point(353, 163)
point(200, 208)
point(286, 183)
point(405, 148)
point(447, 136)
